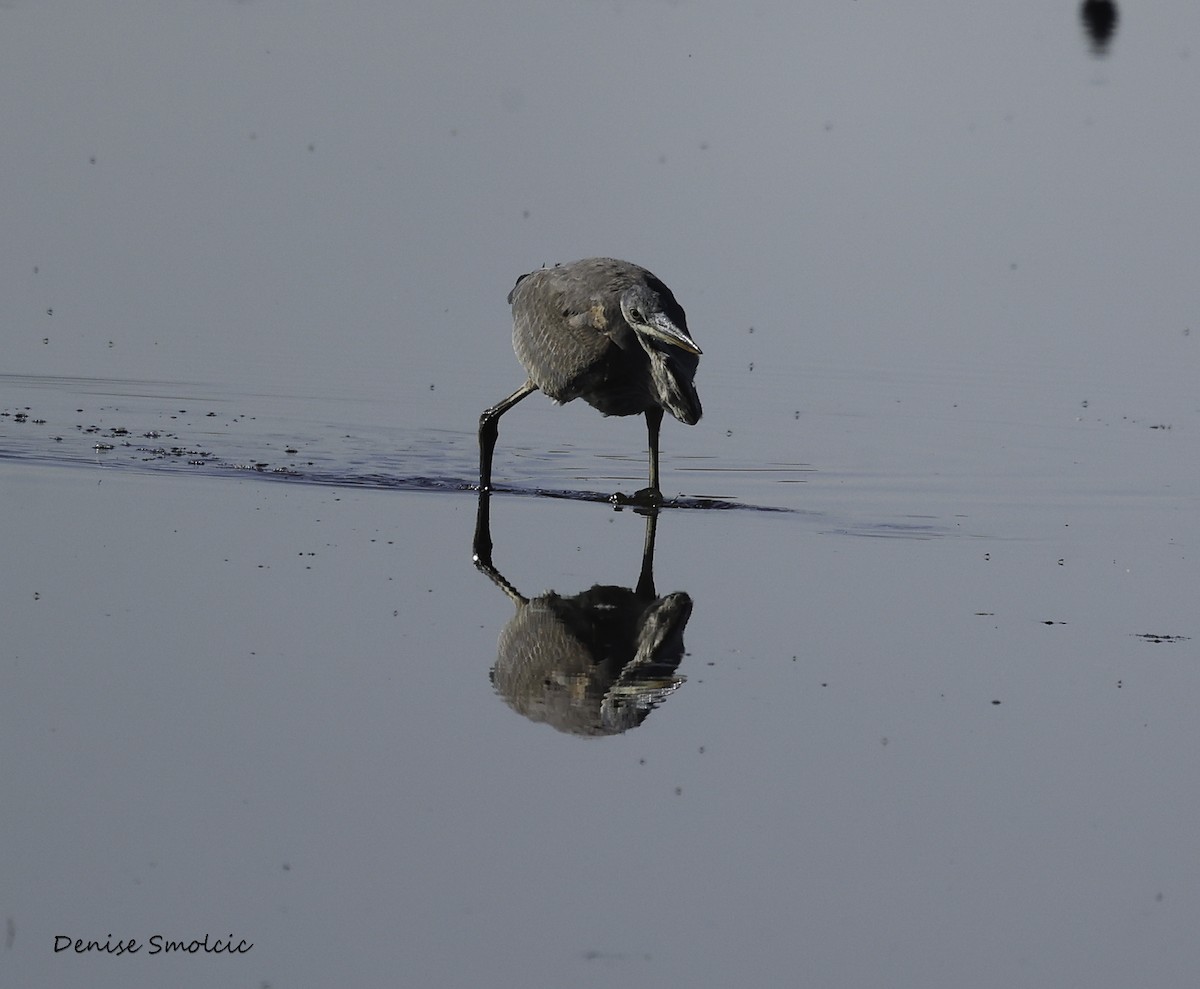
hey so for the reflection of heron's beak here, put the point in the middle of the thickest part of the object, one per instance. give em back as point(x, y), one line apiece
point(663, 330)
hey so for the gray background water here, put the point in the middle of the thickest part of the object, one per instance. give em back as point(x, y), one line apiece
point(937, 723)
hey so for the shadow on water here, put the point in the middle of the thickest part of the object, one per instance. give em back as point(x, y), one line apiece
point(200, 460)
point(595, 663)
point(292, 439)
point(153, 427)
point(619, 502)
point(429, 484)
point(116, 449)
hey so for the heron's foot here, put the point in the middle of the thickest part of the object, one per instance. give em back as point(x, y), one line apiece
point(646, 498)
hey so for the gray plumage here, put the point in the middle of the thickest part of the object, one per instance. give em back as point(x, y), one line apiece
point(606, 331)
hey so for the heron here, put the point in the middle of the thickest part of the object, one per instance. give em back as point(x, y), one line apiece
point(606, 331)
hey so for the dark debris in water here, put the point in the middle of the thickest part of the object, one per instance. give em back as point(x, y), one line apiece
point(1156, 638)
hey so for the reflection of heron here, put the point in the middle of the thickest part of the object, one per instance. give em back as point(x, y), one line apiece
point(596, 663)
point(1100, 21)
point(605, 331)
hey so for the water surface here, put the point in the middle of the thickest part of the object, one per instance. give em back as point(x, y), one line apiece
point(915, 706)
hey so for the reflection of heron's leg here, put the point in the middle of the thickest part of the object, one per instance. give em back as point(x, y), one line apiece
point(645, 584)
point(483, 549)
point(489, 429)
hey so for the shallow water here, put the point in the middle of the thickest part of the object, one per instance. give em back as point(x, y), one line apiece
point(910, 701)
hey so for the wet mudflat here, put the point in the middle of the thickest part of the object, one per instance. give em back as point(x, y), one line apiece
point(905, 694)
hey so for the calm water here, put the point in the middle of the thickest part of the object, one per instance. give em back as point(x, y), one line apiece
point(914, 706)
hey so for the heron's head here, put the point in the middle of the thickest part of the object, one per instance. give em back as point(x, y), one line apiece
point(653, 314)
point(660, 326)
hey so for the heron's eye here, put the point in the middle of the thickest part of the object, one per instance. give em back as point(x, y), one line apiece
point(636, 315)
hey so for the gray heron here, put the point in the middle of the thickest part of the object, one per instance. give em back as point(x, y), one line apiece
point(608, 332)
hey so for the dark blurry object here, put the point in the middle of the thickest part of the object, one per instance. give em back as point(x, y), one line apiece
point(595, 663)
point(1100, 22)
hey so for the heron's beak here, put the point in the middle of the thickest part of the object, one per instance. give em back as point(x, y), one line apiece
point(663, 330)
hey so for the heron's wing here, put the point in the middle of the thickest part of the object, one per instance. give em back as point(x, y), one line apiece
point(563, 332)
point(513, 290)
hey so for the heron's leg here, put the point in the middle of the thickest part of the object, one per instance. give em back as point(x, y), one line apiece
point(651, 496)
point(489, 429)
point(654, 418)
